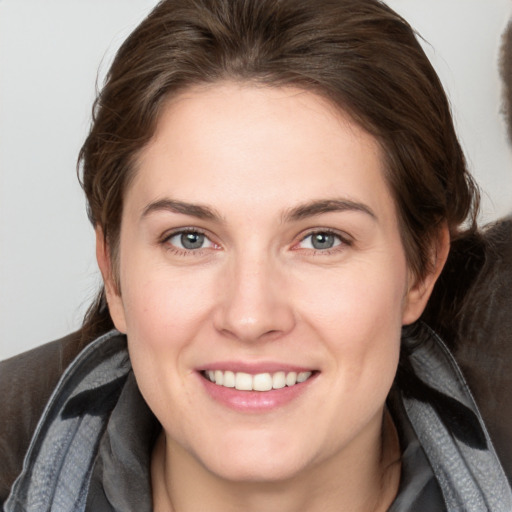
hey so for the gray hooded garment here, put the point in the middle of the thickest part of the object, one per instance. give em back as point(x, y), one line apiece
point(91, 450)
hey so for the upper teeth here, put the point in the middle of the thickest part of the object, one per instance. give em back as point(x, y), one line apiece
point(259, 382)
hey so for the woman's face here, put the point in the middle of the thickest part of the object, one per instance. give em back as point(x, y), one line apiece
point(259, 247)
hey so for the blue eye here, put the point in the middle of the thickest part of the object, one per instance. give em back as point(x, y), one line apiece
point(320, 241)
point(189, 240)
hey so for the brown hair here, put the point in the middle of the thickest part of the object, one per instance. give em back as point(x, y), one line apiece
point(359, 54)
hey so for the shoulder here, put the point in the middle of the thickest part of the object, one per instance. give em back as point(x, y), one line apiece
point(26, 383)
point(483, 345)
point(471, 309)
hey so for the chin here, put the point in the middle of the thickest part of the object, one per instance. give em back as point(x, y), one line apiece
point(257, 470)
point(263, 459)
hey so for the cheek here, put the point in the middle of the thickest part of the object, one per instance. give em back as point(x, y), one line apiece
point(363, 298)
point(358, 314)
point(164, 306)
point(165, 314)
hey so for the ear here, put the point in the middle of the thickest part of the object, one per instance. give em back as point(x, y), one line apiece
point(114, 300)
point(420, 289)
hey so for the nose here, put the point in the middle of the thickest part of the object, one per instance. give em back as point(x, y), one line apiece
point(253, 301)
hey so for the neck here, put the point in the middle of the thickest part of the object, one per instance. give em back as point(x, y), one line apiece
point(367, 482)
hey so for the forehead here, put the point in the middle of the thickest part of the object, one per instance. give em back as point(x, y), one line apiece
point(223, 143)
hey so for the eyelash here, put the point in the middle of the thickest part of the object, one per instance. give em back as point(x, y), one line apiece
point(344, 242)
point(165, 241)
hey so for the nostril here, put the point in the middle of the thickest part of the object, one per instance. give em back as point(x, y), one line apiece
point(265, 325)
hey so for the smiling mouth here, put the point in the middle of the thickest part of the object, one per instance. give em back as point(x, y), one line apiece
point(260, 382)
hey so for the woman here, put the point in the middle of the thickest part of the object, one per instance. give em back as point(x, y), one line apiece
point(274, 187)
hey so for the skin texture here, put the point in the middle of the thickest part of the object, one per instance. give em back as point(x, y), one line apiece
point(257, 291)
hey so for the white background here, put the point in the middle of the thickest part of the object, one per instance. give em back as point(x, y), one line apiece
point(50, 55)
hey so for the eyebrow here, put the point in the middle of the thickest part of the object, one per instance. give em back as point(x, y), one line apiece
point(299, 212)
point(173, 206)
point(326, 206)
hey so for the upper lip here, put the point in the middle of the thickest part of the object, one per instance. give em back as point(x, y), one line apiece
point(253, 368)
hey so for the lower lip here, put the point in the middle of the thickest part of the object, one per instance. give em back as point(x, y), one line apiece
point(255, 401)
